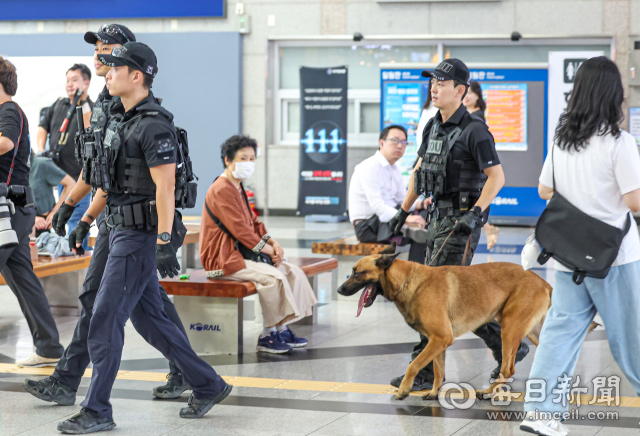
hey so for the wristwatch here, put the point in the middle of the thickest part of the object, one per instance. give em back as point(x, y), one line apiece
point(165, 237)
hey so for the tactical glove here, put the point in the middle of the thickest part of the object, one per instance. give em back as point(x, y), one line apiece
point(60, 218)
point(77, 235)
point(469, 221)
point(167, 261)
point(397, 221)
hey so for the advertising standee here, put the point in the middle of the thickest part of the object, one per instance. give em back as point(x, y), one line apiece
point(323, 141)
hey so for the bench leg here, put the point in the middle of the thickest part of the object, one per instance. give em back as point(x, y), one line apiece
point(213, 324)
point(313, 319)
point(63, 290)
point(188, 257)
point(335, 282)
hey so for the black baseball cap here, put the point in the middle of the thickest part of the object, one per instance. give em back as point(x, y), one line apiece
point(110, 34)
point(137, 55)
point(450, 69)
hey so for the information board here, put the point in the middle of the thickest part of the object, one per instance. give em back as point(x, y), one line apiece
point(506, 114)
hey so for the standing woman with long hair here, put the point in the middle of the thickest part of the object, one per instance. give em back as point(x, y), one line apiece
point(476, 106)
point(597, 169)
point(474, 102)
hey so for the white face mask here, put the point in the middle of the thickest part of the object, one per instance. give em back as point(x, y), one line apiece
point(243, 170)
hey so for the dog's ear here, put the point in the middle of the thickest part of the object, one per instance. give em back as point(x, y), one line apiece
point(386, 260)
point(389, 249)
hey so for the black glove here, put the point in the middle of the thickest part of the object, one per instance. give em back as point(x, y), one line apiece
point(61, 217)
point(166, 260)
point(397, 221)
point(77, 235)
point(469, 221)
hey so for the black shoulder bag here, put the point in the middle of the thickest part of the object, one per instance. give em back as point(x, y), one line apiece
point(247, 253)
point(578, 241)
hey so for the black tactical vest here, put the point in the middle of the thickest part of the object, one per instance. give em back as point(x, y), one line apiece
point(433, 179)
point(129, 175)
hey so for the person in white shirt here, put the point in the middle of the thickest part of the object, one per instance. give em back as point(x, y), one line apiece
point(597, 169)
point(377, 189)
point(428, 111)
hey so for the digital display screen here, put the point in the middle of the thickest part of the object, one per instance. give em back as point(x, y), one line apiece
point(506, 114)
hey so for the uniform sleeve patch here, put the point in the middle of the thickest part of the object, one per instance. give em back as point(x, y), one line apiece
point(165, 145)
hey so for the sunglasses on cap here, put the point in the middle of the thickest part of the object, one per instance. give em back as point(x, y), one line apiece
point(113, 30)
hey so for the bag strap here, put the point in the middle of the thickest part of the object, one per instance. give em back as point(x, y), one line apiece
point(553, 173)
point(217, 221)
point(15, 149)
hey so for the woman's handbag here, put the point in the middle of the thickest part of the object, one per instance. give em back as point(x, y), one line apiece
point(246, 253)
point(584, 244)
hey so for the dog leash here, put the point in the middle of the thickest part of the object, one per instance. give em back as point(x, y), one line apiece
point(466, 249)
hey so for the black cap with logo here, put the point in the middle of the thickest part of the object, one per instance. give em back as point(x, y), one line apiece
point(450, 69)
point(110, 34)
point(136, 55)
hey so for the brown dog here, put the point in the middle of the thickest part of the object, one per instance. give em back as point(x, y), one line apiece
point(445, 302)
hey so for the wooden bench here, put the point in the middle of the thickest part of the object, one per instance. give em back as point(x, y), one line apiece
point(347, 251)
point(212, 309)
point(62, 279)
point(190, 255)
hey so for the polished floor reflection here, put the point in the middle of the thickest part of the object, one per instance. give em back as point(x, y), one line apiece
point(282, 395)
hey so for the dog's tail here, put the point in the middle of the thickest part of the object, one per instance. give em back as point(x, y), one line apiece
point(594, 325)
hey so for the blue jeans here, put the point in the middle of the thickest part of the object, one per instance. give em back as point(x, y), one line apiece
point(573, 307)
point(78, 213)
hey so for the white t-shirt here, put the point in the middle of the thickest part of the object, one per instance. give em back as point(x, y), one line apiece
point(425, 116)
point(595, 179)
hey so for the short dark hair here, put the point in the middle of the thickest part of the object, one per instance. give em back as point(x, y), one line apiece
point(8, 76)
point(84, 70)
point(147, 82)
point(385, 132)
point(235, 143)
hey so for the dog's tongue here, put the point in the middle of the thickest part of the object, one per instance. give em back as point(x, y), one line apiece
point(363, 299)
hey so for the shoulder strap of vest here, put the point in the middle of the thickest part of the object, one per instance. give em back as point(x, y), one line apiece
point(467, 119)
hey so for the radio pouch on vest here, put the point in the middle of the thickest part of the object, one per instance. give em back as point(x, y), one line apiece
point(584, 244)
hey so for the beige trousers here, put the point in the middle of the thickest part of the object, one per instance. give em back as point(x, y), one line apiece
point(284, 292)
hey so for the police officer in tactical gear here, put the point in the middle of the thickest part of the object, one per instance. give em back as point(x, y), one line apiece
point(460, 173)
point(61, 387)
point(17, 218)
point(141, 150)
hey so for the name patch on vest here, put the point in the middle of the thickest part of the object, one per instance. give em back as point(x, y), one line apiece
point(435, 146)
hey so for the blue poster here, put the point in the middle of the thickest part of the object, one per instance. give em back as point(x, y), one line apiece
point(403, 107)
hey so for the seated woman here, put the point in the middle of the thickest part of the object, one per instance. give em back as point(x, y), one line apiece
point(283, 289)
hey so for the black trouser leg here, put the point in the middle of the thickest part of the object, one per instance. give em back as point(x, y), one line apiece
point(172, 313)
point(75, 359)
point(17, 270)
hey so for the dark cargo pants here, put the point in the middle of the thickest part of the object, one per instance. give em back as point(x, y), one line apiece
point(129, 288)
point(17, 270)
point(75, 359)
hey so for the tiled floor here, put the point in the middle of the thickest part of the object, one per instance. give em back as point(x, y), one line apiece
point(370, 349)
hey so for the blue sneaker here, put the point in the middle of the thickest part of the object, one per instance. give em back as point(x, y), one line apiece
point(273, 344)
point(291, 339)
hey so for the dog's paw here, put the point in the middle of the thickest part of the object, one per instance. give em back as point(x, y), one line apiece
point(399, 396)
point(430, 396)
point(483, 396)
